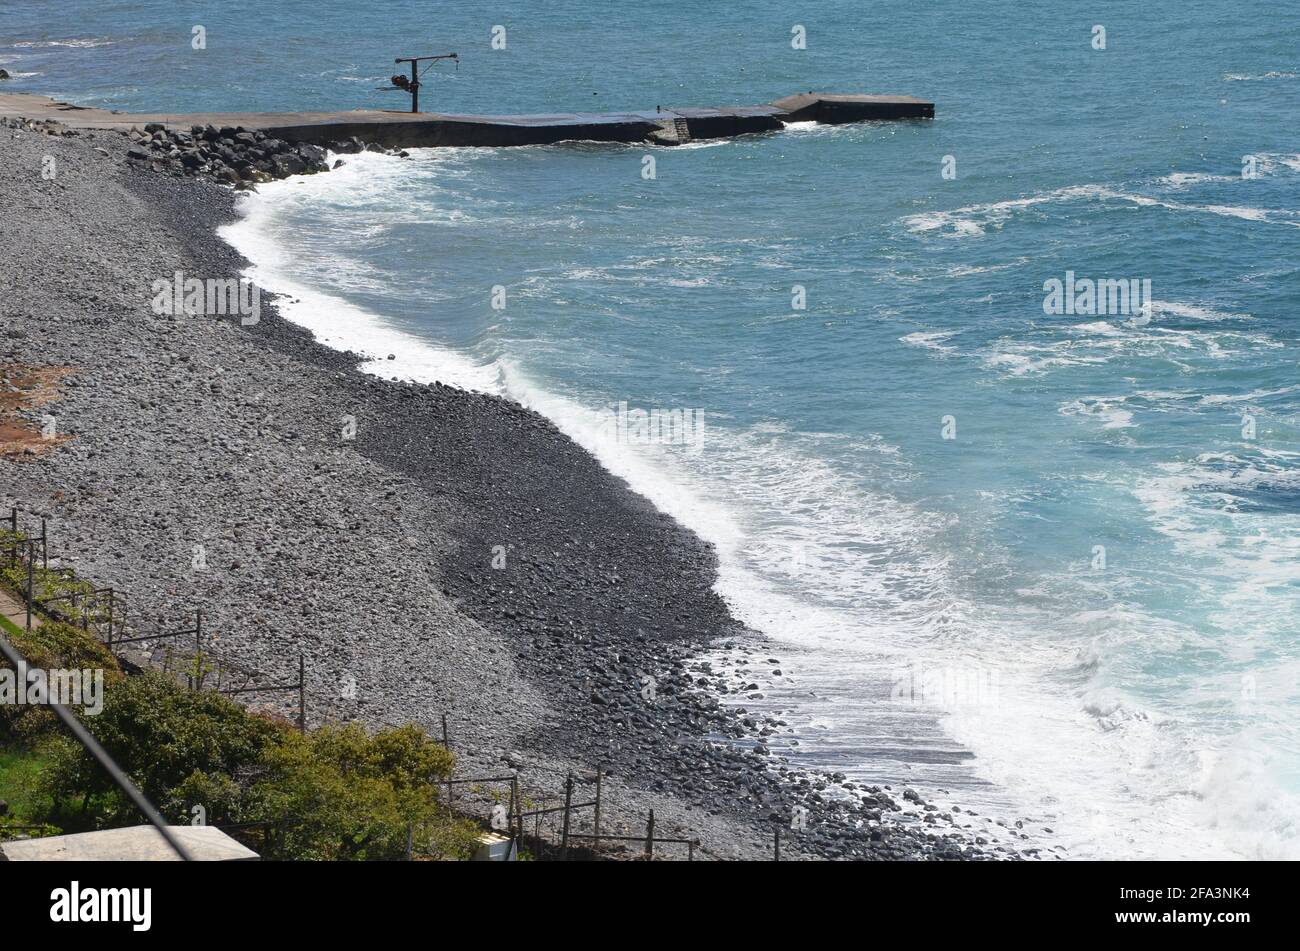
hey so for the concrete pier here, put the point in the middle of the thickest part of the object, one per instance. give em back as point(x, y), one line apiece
point(667, 126)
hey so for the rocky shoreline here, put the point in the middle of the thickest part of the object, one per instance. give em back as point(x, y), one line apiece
point(233, 155)
point(444, 552)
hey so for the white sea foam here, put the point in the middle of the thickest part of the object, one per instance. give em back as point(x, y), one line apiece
point(853, 582)
point(1256, 77)
point(1110, 410)
point(975, 220)
point(1251, 586)
point(331, 319)
point(87, 43)
point(1270, 163)
point(1096, 342)
point(1194, 311)
point(932, 340)
point(1181, 180)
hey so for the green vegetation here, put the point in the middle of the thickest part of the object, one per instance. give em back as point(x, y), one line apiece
point(74, 596)
point(20, 772)
point(337, 793)
point(52, 644)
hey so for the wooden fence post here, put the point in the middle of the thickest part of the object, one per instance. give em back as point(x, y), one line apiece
point(564, 834)
point(599, 772)
point(198, 648)
point(776, 844)
point(302, 694)
point(31, 571)
point(519, 806)
point(650, 837)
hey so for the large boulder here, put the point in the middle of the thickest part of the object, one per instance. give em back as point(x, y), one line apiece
point(311, 154)
point(288, 164)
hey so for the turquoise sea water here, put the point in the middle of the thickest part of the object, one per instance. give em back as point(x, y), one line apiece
point(1106, 548)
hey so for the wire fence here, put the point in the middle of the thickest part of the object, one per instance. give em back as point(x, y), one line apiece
point(185, 652)
point(547, 831)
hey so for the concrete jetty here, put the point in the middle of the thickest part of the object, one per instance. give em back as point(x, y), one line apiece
point(668, 126)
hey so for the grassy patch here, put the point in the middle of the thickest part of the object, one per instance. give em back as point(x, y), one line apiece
point(10, 628)
point(20, 787)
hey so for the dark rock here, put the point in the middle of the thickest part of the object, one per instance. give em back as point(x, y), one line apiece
point(311, 154)
point(286, 165)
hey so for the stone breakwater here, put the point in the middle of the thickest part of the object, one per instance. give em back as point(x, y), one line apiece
point(233, 155)
point(373, 555)
point(227, 155)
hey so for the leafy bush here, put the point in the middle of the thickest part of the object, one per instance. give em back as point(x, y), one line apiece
point(347, 795)
point(51, 645)
point(161, 735)
point(335, 794)
point(56, 644)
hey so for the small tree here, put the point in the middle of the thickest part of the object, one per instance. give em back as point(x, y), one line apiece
point(339, 795)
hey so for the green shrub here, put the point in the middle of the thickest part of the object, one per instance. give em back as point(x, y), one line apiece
point(20, 788)
point(160, 734)
point(51, 645)
point(57, 644)
point(334, 794)
point(348, 796)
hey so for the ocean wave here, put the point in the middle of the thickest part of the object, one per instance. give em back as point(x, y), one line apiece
point(1124, 406)
point(1270, 163)
point(975, 220)
point(332, 320)
point(1244, 212)
point(1194, 311)
point(1110, 411)
point(1255, 77)
point(85, 43)
point(1216, 399)
point(931, 340)
point(1101, 341)
point(1180, 180)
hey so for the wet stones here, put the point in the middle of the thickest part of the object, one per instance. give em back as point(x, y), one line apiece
point(231, 155)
